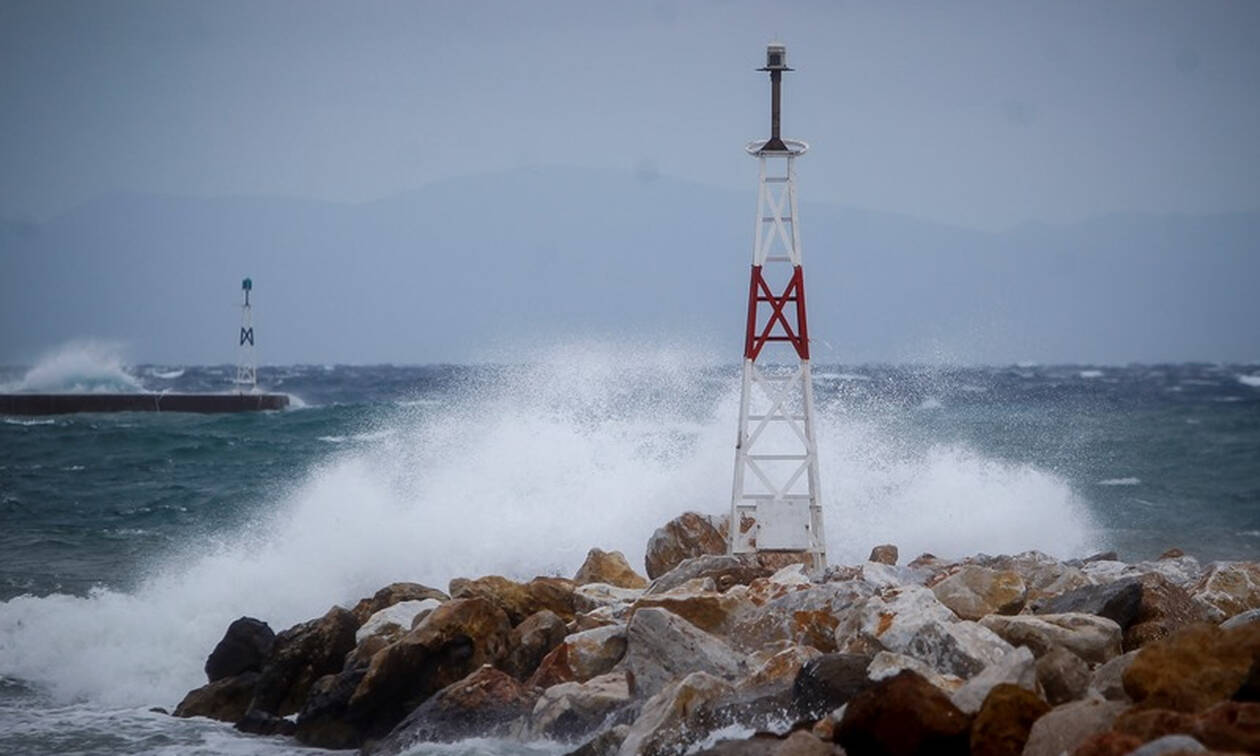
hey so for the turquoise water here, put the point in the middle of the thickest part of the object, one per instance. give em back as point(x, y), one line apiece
point(128, 542)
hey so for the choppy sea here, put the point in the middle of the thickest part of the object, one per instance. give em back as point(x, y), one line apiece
point(128, 542)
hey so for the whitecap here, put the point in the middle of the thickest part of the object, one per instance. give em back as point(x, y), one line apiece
point(1120, 482)
point(15, 421)
point(1090, 374)
point(1250, 380)
point(930, 403)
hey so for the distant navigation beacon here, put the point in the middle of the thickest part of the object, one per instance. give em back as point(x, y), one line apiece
point(246, 367)
point(776, 504)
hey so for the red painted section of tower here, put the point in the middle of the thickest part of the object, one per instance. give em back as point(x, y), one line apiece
point(777, 327)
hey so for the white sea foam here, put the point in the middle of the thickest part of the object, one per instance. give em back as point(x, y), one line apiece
point(166, 375)
point(1250, 380)
point(594, 447)
point(930, 403)
point(79, 367)
point(1090, 374)
point(1120, 482)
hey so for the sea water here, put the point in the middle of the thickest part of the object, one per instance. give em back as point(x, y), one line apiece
point(128, 542)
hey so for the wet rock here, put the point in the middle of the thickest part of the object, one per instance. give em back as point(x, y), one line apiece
point(902, 715)
point(1228, 588)
point(257, 722)
point(890, 620)
point(1067, 726)
point(1006, 717)
point(710, 611)
point(1149, 724)
point(481, 705)
point(1230, 726)
point(803, 617)
point(974, 592)
point(689, 535)
point(453, 641)
point(322, 722)
point(1172, 553)
point(828, 682)
point(1118, 601)
point(961, 649)
point(886, 664)
point(362, 654)
point(1094, 639)
point(245, 647)
point(1017, 667)
point(581, 656)
point(726, 570)
point(1102, 556)
point(609, 567)
point(303, 654)
point(675, 717)
point(572, 710)
point(663, 647)
point(607, 743)
point(1169, 744)
point(395, 620)
point(532, 640)
point(884, 554)
point(225, 699)
point(767, 709)
point(1238, 620)
point(1165, 607)
point(781, 669)
point(1106, 744)
point(1042, 574)
point(519, 600)
point(392, 594)
point(1108, 679)
point(593, 596)
point(1063, 675)
point(1189, 671)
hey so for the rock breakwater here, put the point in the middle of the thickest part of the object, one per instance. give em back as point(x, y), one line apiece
point(1011, 654)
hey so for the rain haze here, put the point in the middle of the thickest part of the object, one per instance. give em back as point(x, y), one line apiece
point(434, 182)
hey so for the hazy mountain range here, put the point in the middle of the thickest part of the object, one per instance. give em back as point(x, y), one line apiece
point(488, 267)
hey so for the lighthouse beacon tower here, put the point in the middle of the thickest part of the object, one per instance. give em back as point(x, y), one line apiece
point(246, 367)
point(776, 504)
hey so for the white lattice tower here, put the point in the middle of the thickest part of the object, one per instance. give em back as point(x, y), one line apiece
point(246, 367)
point(776, 503)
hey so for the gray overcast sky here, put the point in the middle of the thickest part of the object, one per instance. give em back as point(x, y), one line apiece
point(976, 114)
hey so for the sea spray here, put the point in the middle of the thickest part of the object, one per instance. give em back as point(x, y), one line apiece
point(517, 474)
point(79, 367)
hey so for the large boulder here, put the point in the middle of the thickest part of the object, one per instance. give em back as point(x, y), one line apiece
point(395, 620)
point(1067, 726)
point(1228, 588)
point(1118, 601)
point(890, 620)
point(450, 643)
point(779, 669)
point(688, 535)
point(902, 715)
point(570, 711)
point(676, 716)
point(1165, 608)
point(1229, 726)
point(1189, 671)
point(581, 656)
point(1063, 675)
point(886, 664)
point(1108, 679)
point(1044, 575)
point(1006, 717)
point(962, 649)
point(608, 567)
point(323, 721)
point(726, 570)
point(394, 593)
point(974, 591)
point(245, 647)
point(226, 699)
point(810, 616)
point(482, 704)
point(303, 654)
point(1094, 639)
point(519, 600)
point(1017, 667)
point(594, 596)
point(664, 647)
point(531, 641)
point(710, 611)
point(885, 553)
point(828, 682)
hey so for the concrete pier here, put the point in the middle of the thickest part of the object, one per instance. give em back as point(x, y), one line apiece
point(60, 404)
